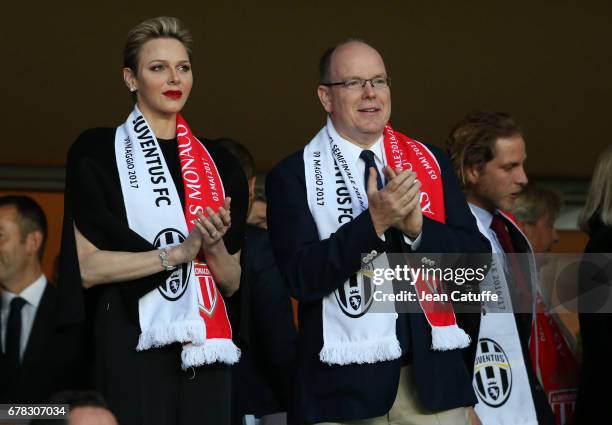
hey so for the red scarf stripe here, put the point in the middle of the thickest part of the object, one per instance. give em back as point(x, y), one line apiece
point(403, 152)
point(203, 188)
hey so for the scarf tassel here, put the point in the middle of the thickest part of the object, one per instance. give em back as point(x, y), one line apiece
point(444, 338)
point(184, 331)
point(213, 350)
point(361, 352)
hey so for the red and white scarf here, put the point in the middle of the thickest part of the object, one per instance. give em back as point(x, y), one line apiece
point(551, 354)
point(554, 362)
point(352, 333)
point(187, 307)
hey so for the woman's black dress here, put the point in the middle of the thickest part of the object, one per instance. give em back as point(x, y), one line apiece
point(593, 404)
point(145, 387)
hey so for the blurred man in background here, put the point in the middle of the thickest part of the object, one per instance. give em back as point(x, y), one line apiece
point(39, 356)
point(552, 345)
point(261, 381)
point(85, 407)
point(536, 210)
point(257, 213)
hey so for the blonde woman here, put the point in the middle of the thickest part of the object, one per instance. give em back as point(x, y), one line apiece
point(154, 221)
point(596, 327)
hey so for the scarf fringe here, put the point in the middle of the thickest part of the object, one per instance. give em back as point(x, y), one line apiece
point(184, 331)
point(361, 352)
point(212, 351)
point(451, 337)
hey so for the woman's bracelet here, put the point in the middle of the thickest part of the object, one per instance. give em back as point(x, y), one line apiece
point(163, 257)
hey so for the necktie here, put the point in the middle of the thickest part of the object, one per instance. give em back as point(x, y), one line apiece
point(501, 231)
point(13, 332)
point(520, 287)
point(368, 158)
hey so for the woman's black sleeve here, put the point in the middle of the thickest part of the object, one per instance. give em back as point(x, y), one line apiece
point(93, 202)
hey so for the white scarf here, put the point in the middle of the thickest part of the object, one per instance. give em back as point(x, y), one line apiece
point(170, 313)
point(336, 195)
point(500, 375)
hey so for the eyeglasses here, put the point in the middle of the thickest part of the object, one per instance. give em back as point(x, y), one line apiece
point(359, 83)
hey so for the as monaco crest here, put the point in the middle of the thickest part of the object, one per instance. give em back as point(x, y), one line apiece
point(174, 287)
point(492, 373)
point(208, 294)
point(563, 403)
point(355, 296)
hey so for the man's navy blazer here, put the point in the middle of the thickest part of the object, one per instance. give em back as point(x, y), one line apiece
point(314, 268)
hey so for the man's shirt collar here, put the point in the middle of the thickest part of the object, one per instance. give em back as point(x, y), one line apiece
point(351, 151)
point(32, 294)
point(483, 215)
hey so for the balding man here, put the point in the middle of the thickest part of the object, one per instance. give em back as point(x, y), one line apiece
point(353, 190)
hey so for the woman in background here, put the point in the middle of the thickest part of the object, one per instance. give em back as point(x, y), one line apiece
point(593, 403)
point(154, 222)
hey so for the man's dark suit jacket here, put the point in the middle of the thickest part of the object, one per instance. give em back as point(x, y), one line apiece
point(262, 320)
point(53, 359)
point(524, 323)
point(314, 268)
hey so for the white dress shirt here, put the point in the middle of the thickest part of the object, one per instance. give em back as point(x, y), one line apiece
point(486, 218)
point(352, 154)
point(32, 296)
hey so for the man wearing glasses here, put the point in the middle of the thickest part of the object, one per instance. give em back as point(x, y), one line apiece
point(328, 205)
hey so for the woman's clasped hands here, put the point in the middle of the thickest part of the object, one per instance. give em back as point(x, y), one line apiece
point(206, 236)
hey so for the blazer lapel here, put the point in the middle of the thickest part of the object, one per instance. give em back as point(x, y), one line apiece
point(2, 359)
point(43, 326)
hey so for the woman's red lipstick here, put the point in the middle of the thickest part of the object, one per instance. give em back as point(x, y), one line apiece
point(173, 94)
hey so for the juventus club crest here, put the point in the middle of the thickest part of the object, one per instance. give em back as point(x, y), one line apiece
point(355, 296)
point(174, 287)
point(492, 373)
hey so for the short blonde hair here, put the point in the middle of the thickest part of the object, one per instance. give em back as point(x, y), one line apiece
point(599, 198)
point(160, 27)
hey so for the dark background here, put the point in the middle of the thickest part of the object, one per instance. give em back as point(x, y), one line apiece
point(548, 63)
